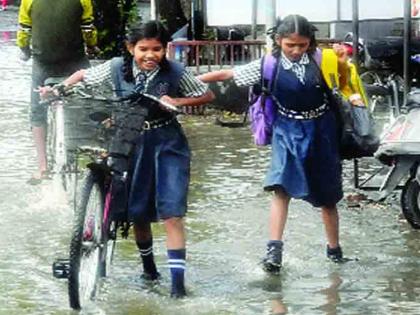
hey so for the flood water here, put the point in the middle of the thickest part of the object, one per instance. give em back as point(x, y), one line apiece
point(227, 231)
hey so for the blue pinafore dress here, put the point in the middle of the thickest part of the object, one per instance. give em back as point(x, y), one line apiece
point(160, 164)
point(305, 162)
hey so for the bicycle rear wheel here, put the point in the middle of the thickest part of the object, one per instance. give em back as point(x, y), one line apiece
point(86, 242)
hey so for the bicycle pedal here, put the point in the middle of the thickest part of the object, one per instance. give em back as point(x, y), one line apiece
point(61, 268)
point(112, 235)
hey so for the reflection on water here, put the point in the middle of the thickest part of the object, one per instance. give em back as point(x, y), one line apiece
point(227, 231)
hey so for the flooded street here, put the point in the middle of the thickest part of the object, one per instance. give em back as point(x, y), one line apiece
point(227, 232)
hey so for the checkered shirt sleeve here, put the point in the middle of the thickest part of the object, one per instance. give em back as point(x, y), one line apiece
point(190, 86)
point(248, 74)
point(98, 74)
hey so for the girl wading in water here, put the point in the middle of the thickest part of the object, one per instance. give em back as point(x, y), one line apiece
point(305, 162)
point(160, 163)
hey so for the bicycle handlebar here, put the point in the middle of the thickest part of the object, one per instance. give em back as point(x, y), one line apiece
point(61, 92)
point(374, 89)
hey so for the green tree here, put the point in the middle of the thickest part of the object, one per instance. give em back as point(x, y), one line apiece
point(111, 19)
point(172, 14)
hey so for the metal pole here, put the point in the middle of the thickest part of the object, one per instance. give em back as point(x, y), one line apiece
point(270, 20)
point(193, 19)
point(338, 10)
point(254, 19)
point(355, 60)
point(153, 10)
point(407, 40)
point(355, 57)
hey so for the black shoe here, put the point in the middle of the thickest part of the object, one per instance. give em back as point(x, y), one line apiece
point(179, 294)
point(336, 255)
point(150, 277)
point(273, 259)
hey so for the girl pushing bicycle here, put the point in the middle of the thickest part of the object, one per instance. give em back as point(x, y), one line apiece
point(160, 163)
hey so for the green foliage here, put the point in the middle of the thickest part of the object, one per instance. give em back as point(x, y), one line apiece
point(111, 20)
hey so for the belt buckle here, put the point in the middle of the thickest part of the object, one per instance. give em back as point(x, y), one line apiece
point(146, 125)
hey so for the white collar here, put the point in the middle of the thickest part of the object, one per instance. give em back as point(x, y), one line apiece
point(288, 64)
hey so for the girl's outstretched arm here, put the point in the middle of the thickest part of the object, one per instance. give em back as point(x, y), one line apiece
point(189, 101)
point(219, 75)
point(75, 77)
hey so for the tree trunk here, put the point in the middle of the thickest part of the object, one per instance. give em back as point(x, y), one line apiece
point(111, 18)
point(171, 13)
point(186, 7)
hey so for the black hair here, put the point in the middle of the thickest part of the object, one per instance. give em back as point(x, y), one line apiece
point(149, 30)
point(293, 24)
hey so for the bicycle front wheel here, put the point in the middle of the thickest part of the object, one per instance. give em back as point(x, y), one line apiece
point(109, 236)
point(85, 246)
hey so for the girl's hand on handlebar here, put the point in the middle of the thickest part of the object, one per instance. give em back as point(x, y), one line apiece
point(46, 91)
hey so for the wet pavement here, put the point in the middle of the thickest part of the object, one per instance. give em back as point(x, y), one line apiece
point(227, 231)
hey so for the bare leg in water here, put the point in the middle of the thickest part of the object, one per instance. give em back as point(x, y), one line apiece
point(40, 136)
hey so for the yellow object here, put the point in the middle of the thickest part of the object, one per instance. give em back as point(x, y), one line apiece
point(353, 84)
point(89, 32)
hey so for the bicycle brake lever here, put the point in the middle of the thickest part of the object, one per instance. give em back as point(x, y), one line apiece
point(163, 103)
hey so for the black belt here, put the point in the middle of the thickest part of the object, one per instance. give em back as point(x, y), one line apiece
point(158, 123)
point(309, 114)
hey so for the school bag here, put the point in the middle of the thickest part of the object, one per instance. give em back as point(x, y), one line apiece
point(356, 133)
point(263, 110)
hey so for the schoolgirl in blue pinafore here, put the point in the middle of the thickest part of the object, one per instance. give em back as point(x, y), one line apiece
point(305, 162)
point(161, 160)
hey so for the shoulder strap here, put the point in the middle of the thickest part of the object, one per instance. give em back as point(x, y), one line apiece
point(269, 68)
point(116, 64)
point(317, 56)
point(329, 67)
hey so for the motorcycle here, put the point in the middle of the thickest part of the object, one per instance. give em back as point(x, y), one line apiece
point(400, 149)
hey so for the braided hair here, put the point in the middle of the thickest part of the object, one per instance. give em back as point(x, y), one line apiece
point(149, 30)
point(293, 24)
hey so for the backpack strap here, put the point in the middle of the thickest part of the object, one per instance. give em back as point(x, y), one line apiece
point(268, 72)
point(329, 69)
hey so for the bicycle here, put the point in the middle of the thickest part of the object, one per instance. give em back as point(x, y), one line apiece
point(60, 142)
point(384, 87)
point(101, 212)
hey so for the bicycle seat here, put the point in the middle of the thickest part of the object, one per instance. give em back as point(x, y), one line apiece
point(99, 116)
point(373, 89)
point(91, 149)
point(54, 80)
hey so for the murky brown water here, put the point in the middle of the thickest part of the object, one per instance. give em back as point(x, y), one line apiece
point(227, 230)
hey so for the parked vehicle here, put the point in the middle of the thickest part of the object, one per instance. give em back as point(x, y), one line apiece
point(400, 148)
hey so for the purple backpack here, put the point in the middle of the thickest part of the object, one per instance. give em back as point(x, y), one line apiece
point(263, 111)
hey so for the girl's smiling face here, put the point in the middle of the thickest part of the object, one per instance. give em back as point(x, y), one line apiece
point(147, 53)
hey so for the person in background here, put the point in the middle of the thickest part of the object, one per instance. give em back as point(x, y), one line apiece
point(305, 161)
point(3, 5)
point(161, 159)
point(56, 34)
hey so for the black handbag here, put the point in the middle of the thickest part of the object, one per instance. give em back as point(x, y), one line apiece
point(355, 125)
point(356, 129)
